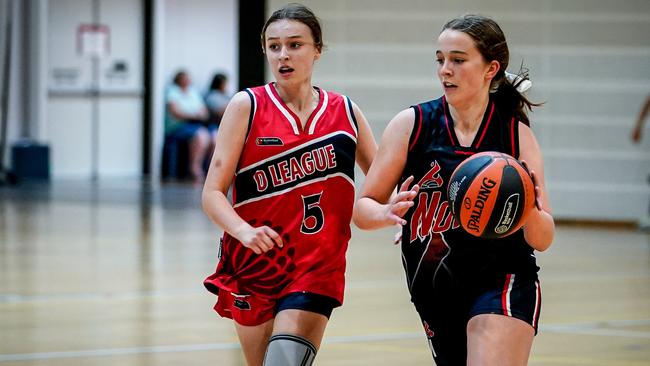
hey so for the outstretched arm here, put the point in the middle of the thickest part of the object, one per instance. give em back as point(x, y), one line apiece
point(637, 131)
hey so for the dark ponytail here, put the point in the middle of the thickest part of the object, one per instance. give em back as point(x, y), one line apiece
point(507, 94)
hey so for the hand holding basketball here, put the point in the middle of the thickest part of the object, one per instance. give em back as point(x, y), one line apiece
point(538, 194)
point(491, 194)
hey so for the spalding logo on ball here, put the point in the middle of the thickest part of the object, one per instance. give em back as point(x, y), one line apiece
point(491, 194)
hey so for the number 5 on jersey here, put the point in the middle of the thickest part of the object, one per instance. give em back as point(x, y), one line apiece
point(313, 219)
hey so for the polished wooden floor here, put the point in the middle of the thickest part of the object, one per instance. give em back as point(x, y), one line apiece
point(111, 274)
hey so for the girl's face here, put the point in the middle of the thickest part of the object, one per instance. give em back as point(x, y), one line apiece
point(462, 70)
point(290, 51)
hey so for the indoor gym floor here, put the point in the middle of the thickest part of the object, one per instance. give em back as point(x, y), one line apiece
point(111, 274)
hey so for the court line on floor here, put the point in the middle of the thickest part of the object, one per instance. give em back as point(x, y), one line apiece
point(601, 328)
point(589, 328)
point(186, 348)
point(130, 295)
point(123, 295)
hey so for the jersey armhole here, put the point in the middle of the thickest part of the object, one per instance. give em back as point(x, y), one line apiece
point(351, 117)
point(417, 127)
point(252, 112)
point(514, 138)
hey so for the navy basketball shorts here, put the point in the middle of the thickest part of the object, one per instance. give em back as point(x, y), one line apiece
point(445, 313)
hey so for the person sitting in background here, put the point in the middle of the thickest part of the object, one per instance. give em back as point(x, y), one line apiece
point(217, 99)
point(185, 121)
point(637, 131)
point(637, 135)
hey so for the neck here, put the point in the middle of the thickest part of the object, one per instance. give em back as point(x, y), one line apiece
point(468, 117)
point(300, 96)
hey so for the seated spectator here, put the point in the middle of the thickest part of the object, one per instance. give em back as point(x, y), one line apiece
point(217, 98)
point(186, 118)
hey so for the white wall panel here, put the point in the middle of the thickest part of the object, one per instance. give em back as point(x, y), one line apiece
point(69, 128)
point(125, 20)
point(200, 36)
point(599, 7)
point(120, 153)
point(629, 31)
point(94, 120)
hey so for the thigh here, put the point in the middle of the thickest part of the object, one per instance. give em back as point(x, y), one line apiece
point(306, 324)
point(444, 328)
point(304, 314)
point(253, 318)
point(254, 340)
point(498, 340)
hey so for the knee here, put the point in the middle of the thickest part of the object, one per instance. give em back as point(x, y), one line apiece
point(202, 137)
point(478, 326)
point(289, 350)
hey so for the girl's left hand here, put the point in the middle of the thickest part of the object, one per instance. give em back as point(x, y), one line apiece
point(538, 191)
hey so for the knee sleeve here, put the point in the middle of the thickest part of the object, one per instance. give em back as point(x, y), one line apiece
point(289, 350)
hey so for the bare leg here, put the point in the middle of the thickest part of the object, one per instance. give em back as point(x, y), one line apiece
point(306, 324)
point(498, 340)
point(254, 340)
point(198, 147)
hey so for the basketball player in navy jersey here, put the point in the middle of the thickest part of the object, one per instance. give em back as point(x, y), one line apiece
point(289, 149)
point(479, 300)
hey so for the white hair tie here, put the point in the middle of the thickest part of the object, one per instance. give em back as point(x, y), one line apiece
point(524, 84)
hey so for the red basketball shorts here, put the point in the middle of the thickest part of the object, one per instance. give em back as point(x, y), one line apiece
point(246, 310)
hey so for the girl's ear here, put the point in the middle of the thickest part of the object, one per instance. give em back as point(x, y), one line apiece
point(492, 70)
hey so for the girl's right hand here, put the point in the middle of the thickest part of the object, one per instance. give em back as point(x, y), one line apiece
point(401, 202)
point(260, 239)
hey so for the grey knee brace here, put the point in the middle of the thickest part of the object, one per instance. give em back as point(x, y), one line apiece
point(289, 350)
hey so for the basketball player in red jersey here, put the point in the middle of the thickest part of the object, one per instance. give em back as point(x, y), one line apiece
point(478, 299)
point(289, 149)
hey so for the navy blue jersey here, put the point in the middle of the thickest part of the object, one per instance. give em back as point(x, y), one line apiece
point(436, 252)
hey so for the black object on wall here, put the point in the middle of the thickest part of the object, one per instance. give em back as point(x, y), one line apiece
point(147, 116)
point(4, 93)
point(252, 15)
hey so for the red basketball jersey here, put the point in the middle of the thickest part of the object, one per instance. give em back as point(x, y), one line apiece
point(300, 182)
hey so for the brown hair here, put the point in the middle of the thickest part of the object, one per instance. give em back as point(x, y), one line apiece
point(490, 41)
point(300, 13)
point(178, 76)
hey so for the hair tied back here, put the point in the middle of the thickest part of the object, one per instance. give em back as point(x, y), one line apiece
point(522, 84)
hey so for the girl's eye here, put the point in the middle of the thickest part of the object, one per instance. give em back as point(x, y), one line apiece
point(459, 60)
point(439, 61)
point(295, 45)
point(273, 47)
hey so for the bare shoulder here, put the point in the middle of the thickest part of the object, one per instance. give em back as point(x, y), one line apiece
point(238, 108)
point(401, 125)
point(240, 99)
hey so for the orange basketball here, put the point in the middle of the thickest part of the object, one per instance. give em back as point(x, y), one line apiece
point(491, 194)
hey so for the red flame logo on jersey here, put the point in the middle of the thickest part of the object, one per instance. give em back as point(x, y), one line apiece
point(431, 213)
point(427, 329)
point(432, 179)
